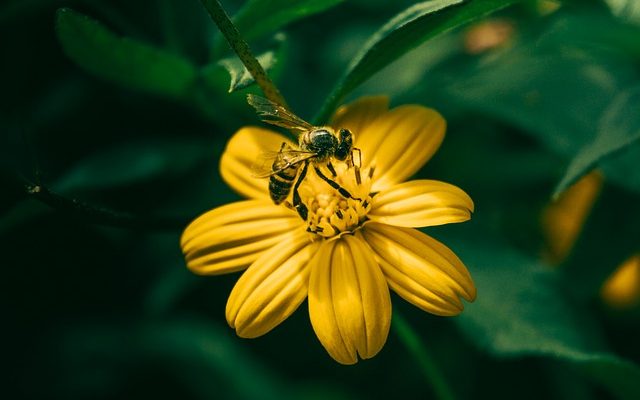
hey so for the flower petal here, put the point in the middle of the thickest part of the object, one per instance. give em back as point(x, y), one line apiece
point(231, 237)
point(272, 288)
point(349, 302)
point(399, 142)
point(361, 113)
point(241, 152)
point(420, 269)
point(421, 203)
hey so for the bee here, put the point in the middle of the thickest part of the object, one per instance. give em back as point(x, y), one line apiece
point(317, 145)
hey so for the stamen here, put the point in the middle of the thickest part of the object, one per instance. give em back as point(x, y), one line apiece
point(338, 205)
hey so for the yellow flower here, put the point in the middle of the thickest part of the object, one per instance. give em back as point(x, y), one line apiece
point(349, 251)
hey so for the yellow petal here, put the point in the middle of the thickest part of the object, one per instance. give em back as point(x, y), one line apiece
point(399, 142)
point(272, 288)
point(231, 237)
point(421, 203)
point(349, 302)
point(420, 269)
point(242, 151)
point(361, 113)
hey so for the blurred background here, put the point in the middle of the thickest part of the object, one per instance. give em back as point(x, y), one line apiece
point(113, 117)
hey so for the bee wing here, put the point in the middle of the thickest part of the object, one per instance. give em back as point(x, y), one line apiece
point(263, 166)
point(276, 114)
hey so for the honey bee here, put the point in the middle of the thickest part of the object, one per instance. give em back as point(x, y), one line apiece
point(317, 145)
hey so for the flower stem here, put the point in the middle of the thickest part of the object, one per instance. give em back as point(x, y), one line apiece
point(411, 340)
point(241, 48)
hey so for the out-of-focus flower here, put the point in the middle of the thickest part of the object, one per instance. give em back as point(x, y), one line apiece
point(546, 7)
point(563, 219)
point(349, 251)
point(622, 289)
point(488, 35)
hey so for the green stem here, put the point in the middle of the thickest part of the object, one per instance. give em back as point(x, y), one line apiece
point(241, 48)
point(411, 340)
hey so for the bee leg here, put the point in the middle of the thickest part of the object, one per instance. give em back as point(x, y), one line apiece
point(297, 201)
point(331, 169)
point(343, 192)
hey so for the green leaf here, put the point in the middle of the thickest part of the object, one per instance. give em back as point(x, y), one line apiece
point(240, 76)
point(522, 310)
point(619, 128)
point(623, 168)
point(206, 358)
point(603, 246)
point(262, 17)
point(405, 31)
point(625, 9)
point(135, 162)
point(122, 60)
point(201, 355)
point(555, 86)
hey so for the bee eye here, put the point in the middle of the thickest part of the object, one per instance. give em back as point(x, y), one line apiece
point(345, 134)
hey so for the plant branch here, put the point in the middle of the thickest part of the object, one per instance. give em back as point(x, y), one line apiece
point(241, 48)
point(99, 215)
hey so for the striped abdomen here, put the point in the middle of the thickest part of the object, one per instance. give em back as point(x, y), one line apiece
point(280, 182)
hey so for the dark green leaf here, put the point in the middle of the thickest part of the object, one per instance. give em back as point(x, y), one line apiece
point(125, 165)
point(402, 33)
point(618, 129)
point(590, 260)
point(21, 213)
point(200, 354)
point(205, 357)
point(521, 311)
point(262, 17)
point(555, 86)
point(623, 168)
point(122, 60)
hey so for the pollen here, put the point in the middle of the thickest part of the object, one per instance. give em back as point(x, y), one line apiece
point(331, 213)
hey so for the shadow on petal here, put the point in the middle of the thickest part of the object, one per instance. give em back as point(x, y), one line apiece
point(242, 151)
point(272, 287)
point(229, 238)
point(399, 142)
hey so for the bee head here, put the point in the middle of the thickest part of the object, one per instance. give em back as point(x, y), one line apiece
point(345, 144)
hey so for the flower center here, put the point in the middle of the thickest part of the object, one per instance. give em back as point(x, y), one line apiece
point(330, 212)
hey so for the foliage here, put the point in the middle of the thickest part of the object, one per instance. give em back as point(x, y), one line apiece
point(125, 108)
